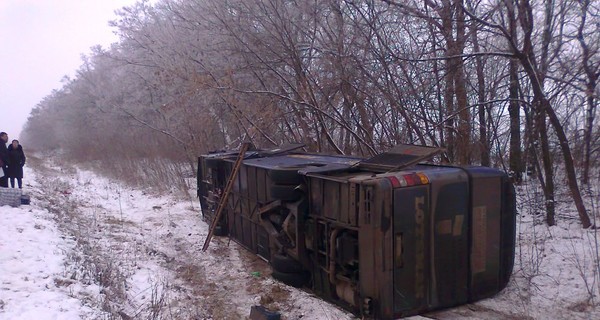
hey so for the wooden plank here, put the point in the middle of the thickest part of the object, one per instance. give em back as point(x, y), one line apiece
point(225, 195)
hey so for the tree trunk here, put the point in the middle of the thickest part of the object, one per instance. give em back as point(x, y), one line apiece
point(587, 133)
point(484, 146)
point(463, 143)
point(590, 86)
point(450, 68)
point(515, 155)
point(569, 165)
point(545, 106)
point(548, 166)
point(535, 74)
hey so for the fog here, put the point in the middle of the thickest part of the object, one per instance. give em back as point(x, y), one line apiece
point(42, 42)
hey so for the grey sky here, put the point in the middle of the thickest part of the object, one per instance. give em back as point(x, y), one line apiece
point(41, 41)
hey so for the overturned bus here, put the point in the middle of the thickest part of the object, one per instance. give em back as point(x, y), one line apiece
point(384, 237)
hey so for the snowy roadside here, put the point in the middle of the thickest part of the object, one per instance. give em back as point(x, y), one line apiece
point(33, 282)
point(122, 253)
point(90, 248)
point(32, 255)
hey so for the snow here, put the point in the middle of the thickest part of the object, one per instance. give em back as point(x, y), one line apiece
point(91, 248)
point(108, 250)
point(32, 253)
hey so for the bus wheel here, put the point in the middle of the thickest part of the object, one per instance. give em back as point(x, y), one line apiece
point(296, 280)
point(286, 264)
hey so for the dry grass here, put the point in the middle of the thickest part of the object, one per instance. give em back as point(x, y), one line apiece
point(100, 258)
point(88, 263)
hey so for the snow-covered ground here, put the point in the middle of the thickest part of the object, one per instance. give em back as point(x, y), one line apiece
point(32, 257)
point(90, 248)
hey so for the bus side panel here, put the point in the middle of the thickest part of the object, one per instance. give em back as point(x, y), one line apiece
point(376, 272)
point(507, 232)
point(493, 231)
point(450, 250)
point(201, 191)
point(485, 250)
point(384, 251)
point(411, 250)
point(366, 243)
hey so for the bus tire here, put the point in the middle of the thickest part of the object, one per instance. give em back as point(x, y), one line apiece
point(295, 280)
point(285, 264)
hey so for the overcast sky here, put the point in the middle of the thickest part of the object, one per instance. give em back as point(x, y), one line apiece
point(41, 41)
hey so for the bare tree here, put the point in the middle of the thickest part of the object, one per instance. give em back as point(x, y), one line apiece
point(516, 161)
point(536, 68)
point(342, 76)
point(591, 68)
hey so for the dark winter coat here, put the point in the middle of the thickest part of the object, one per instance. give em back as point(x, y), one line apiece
point(4, 160)
point(16, 161)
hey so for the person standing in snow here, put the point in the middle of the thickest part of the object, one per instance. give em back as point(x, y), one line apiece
point(4, 161)
point(16, 160)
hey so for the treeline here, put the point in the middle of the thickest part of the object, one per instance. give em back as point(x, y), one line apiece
point(503, 83)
